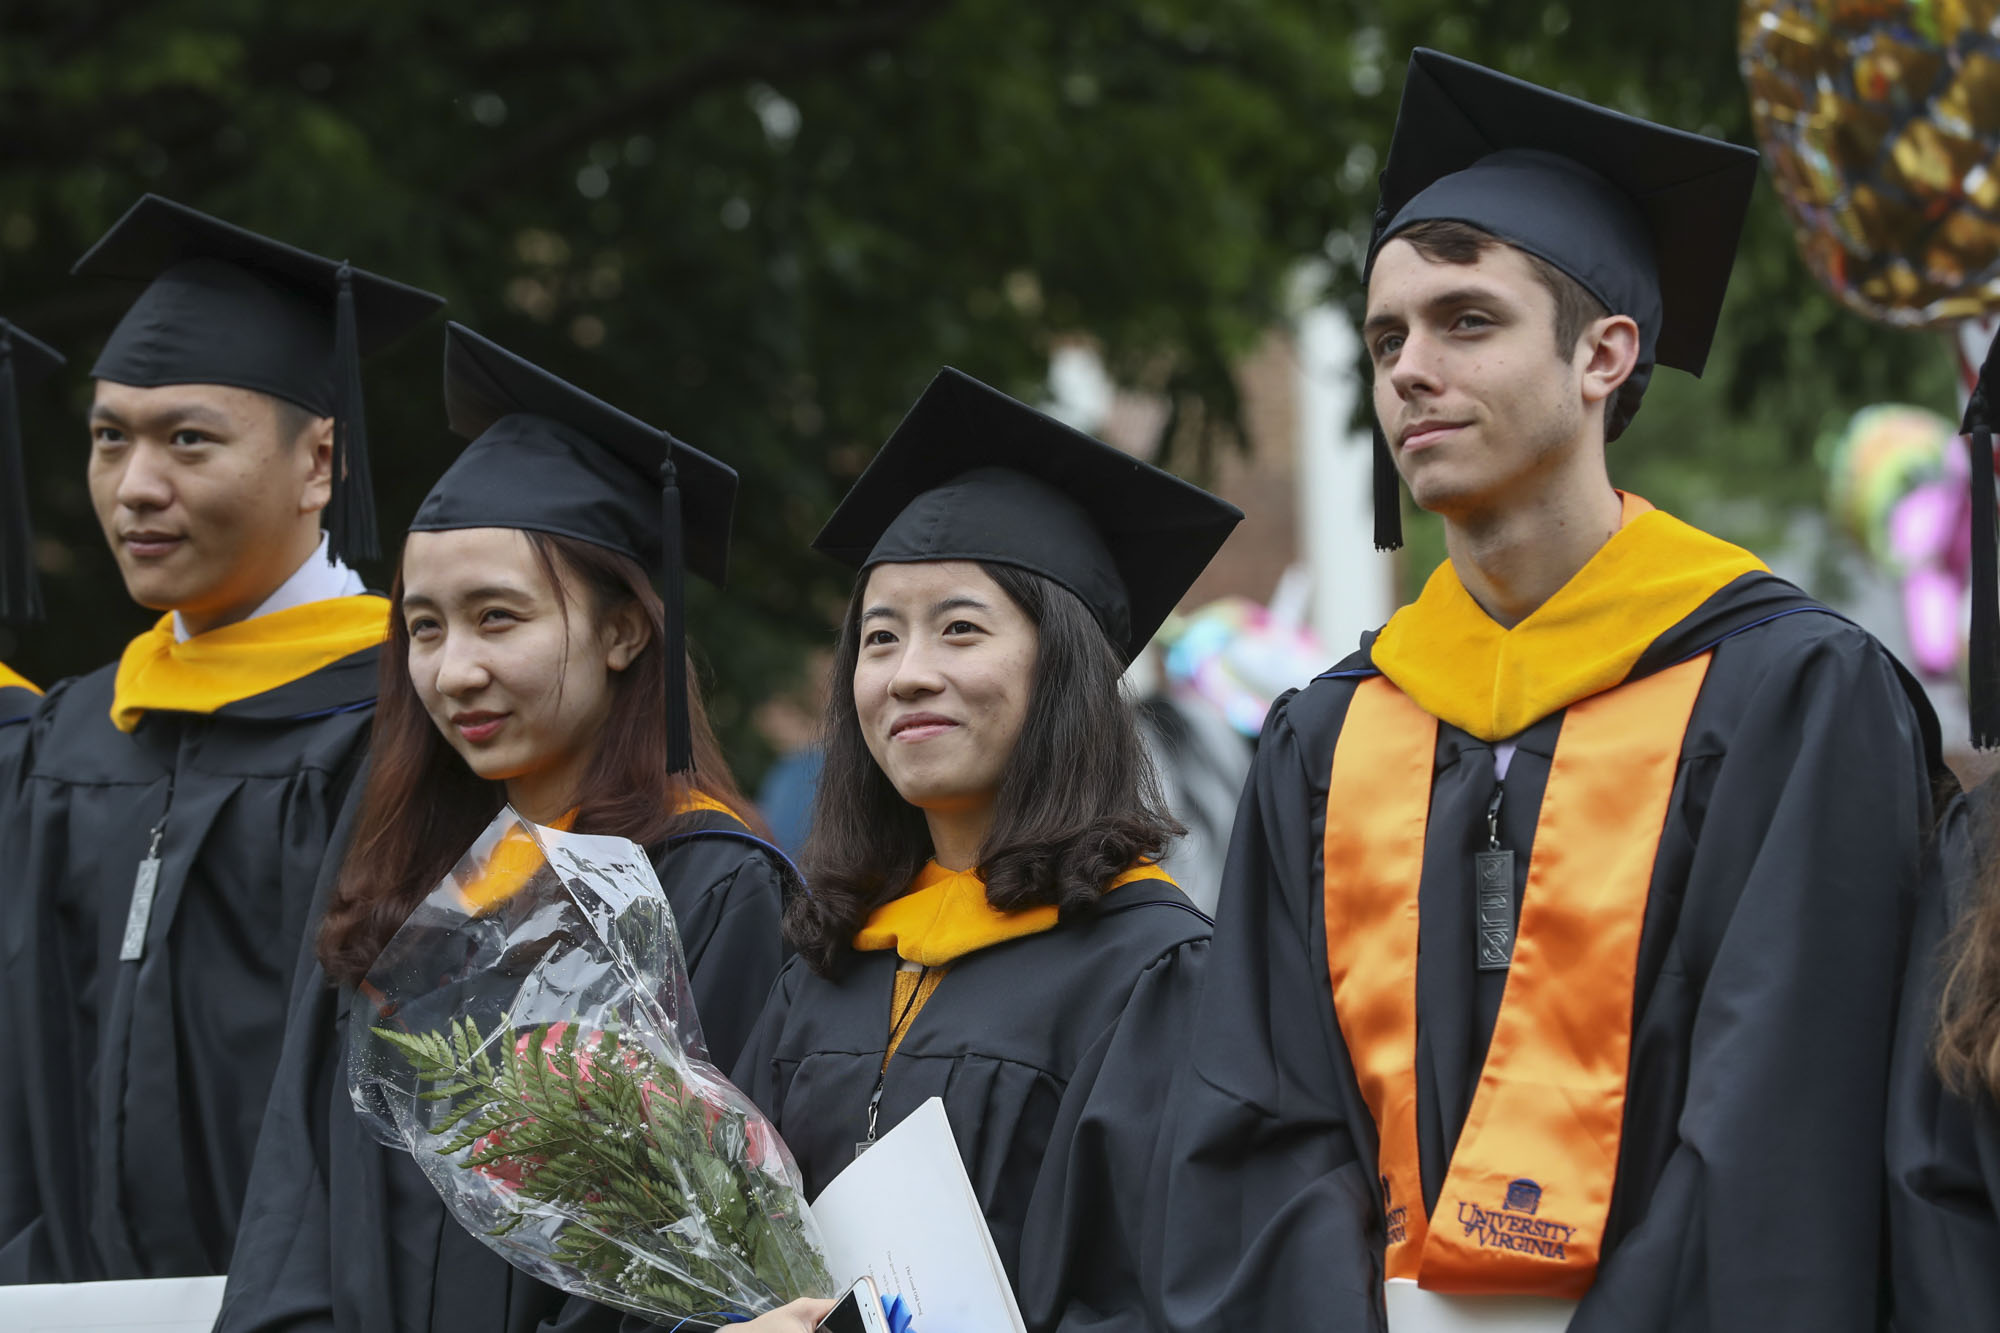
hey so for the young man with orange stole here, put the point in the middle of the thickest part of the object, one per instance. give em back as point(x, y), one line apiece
point(1560, 938)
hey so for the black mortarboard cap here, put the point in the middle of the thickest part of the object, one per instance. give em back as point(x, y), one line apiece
point(23, 361)
point(972, 474)
point(224, 305)
point(1645, 217)
point(548, 457)
point(1982, 666)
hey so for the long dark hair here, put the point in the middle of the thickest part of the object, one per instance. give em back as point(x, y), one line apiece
point(423, 806)
point(1968, 1040)
point(1078, 801)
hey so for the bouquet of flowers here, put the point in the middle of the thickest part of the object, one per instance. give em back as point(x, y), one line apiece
point(529, 1037)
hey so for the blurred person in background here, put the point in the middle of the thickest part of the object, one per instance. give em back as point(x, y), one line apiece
point(1202, 688)
point(1201, 761)
point(789, 722)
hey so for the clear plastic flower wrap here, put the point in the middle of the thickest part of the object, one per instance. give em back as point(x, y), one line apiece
point(530, 1038)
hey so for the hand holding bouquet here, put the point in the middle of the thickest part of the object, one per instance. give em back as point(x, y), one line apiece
point(529, 1038)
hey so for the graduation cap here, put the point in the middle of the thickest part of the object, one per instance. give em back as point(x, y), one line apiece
point(226, 306)
point(1646, 218)
point(23, 361)
point(972, 474)
point(1982, 414)
point(547, 457)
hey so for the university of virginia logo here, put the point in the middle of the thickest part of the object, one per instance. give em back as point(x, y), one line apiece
point(1515, 1226)
point(1395, 1218)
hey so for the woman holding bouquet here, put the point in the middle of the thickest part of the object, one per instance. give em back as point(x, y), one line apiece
point(531, 664)
point(987, 922)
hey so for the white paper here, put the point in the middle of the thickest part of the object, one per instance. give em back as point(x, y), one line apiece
point(1414, 1310)
point(905, 1215)
point(152, 1305)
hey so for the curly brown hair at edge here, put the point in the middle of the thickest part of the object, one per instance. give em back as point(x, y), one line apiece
point(1078, 801)
point(1967, 1048)
point(423, 806)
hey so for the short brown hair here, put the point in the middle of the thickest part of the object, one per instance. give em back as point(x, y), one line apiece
point(1444, 242)
point(1967, 1042)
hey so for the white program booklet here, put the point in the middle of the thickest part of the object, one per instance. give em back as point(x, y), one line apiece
point(1414, 1310)
point(904, 1214)
point(152, 1305)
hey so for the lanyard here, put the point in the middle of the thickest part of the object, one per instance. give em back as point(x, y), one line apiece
point(882, 1078)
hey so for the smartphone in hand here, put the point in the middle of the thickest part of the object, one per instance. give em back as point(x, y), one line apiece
point(859, 1311)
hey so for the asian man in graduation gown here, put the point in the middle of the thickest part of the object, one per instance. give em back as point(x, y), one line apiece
point(23, 360)
point(1561, 932)
point(171, 809)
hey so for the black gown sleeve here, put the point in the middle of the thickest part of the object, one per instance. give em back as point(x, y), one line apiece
point(728, 898)
point(1943, 1151)
point(26, 958)
point(1079, 1262)
point(755, 1071)
point(1768, 1213)
point(1264, 1211)
point(281, 1272)
point(20, 1198)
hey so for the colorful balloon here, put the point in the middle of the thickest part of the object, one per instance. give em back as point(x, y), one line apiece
point(1880, 123)
point(1896, 484)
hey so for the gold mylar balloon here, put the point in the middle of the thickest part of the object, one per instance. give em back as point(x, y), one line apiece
point(1880, 122)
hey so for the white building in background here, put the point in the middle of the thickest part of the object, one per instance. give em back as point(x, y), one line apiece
point(1353, 584)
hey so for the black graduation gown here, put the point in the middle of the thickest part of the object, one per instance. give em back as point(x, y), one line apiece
point(1943, 1148)
point(1748, 1193)
point(135, 1089)
point(1052, 1054)
point(342, 1233)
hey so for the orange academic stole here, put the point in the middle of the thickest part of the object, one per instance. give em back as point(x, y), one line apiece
point(1523, 1205)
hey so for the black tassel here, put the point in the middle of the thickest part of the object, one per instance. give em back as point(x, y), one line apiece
point(350, 520)
point(20, 589)
point(1982, 665)
point(1388, 492)
point(680, 746)
point(1983, 653)
point(1388, 498)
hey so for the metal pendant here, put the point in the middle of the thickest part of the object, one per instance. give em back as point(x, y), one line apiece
point(1493, 895)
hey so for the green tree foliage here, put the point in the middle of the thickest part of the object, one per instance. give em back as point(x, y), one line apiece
point(764, 223)
point(662, 1197)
